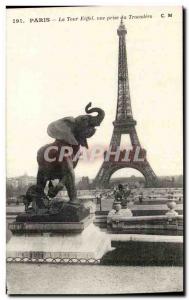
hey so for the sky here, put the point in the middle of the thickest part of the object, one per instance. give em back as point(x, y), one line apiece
point(55, 68)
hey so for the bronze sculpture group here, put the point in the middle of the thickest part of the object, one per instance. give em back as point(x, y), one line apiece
point(67, 132)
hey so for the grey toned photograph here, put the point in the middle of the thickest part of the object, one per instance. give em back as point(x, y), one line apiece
point(94, 199)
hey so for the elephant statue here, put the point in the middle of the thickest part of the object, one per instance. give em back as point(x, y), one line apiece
point(67, 132)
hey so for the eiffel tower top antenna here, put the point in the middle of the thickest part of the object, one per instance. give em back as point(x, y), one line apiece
point(122, 26)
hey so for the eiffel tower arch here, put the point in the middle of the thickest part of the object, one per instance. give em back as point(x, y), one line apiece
point(124, 124)
point(107, 170)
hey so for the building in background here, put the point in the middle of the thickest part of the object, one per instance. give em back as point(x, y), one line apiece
point(84, 183)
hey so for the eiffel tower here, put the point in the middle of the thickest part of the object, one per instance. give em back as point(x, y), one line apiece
point(124, 124)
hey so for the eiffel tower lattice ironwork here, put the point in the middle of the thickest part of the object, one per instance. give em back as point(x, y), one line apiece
point(124, 124)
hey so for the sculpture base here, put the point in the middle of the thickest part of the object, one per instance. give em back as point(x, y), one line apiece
point(66, 212)
point(49, 246)
point(28, 228)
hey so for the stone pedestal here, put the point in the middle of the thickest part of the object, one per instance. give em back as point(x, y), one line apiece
point(45, 242)
point(119, 213)
point(172, 206)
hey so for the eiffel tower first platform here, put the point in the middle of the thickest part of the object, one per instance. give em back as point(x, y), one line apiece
point(124, 124)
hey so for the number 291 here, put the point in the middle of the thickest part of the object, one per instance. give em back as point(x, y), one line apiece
point(17, 21)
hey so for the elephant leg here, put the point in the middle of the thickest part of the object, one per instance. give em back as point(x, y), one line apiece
point(71, 188)
point(41, 179)
point(70, 182)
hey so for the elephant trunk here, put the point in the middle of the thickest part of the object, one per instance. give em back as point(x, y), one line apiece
point(96, 120)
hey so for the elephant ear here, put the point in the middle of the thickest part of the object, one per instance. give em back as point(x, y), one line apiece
point(62, 129)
